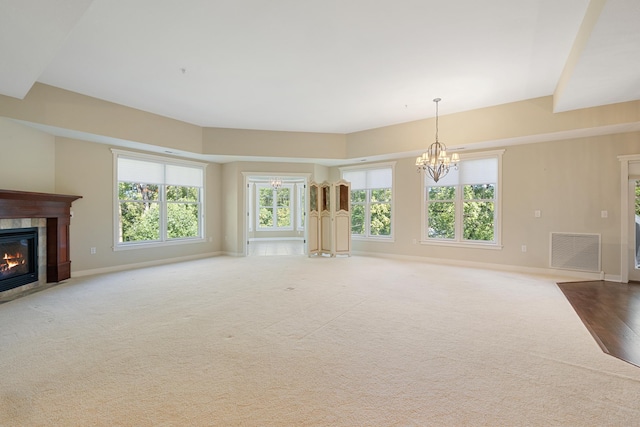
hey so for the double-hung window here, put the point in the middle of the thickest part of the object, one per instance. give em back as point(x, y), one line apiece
point(463, 208)
point(274, 207)
point(371, 201)
point(158, 200)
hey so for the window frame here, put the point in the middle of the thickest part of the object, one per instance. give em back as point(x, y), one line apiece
point(163, 203)
point(459, 201)
point(367, 236)
point(275, 227)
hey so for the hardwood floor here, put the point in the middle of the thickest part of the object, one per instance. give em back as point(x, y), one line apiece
point(611, 313)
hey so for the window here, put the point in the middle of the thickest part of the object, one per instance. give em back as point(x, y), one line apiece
point(464, 206)
point(274, 207)
point(158, 200)
point(371, 201)
point(301, 207)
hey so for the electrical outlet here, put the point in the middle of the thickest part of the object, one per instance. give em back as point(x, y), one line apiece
point(536, 213)
point(604, 214)
point(93, 251)
point(524, 248)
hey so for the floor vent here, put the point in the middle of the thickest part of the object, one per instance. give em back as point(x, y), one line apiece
point(573, 251)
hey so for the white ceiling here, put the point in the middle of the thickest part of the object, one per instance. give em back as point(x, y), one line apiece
point(325, 66)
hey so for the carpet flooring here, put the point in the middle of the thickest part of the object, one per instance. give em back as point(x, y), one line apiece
point(297, 341)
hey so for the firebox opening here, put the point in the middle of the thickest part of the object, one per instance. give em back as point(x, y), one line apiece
point(18, 257)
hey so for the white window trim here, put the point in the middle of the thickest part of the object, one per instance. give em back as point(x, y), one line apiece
point(251, 188)
point(626, 217)
point(391, 237)
point(123, 246)
point(291, 208)
point(300, 192)
point(495, 245)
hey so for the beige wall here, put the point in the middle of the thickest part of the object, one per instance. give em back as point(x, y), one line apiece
point(303, 145)
point(232, 205)
point(27, 158)
point(86, 169)
point(569, 180)
point(320, 173)
point(532, 120)
point(68, 166)
point(55, 107)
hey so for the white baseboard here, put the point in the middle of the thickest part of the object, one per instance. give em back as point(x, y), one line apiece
point(267, 239)
point(557, 275)
point(125, 267)
point(233, 253)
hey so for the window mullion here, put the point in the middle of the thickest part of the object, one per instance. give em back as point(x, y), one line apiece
point(200, 207)
point(274, 206)
point(367, 213)
point(256, 207)
point(163, 213)
point(459, 210)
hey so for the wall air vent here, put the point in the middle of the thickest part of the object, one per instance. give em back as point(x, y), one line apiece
point(575, 251)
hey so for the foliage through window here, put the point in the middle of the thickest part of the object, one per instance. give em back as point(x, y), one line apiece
point(157, 201)
point(637, 202)
point(274, 207)
point(462, 206)
point(371, 201)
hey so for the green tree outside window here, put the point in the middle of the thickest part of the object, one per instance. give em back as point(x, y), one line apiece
point(478, 212)
point(274, 207)
point(139, 209)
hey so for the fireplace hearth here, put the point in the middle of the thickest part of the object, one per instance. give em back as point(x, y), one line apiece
point(18, 257)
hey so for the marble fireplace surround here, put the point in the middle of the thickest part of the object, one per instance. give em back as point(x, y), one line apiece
point(55, 210)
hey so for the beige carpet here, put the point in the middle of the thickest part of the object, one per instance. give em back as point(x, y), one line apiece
point(297, 341)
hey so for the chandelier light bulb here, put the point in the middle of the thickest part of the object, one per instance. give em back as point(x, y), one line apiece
point(276, 183)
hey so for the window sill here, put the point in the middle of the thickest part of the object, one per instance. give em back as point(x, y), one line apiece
point(145, 245)
point(489, 246)
point(374, 239)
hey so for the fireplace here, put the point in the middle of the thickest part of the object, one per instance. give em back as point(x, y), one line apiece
point(18, 257)
point(50, 214)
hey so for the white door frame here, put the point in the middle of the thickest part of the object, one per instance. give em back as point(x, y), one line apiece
point(627, 249)
point(248, 176)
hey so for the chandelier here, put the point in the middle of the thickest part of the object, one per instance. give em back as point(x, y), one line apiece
point(435, 161)
point(276, 183)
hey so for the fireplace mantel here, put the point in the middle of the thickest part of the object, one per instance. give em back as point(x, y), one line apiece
point(56, 208)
